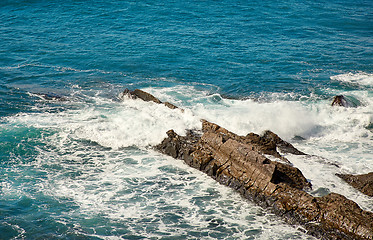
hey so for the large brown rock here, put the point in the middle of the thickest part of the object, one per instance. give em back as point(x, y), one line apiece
point(363, 182)
point(239, 162)
point(266, 144)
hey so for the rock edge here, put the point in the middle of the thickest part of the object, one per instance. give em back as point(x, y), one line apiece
point(362, 182)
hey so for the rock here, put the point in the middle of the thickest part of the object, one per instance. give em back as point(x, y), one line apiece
point(339, 213)
point(170, 105)
point(266, 144)
point(139, 94)
point(239, 162)
point(339, 100)
point(281, 144)
point(363, 182)
point(344, 101)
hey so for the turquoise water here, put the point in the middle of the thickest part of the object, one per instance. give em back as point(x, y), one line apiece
point(76, 161)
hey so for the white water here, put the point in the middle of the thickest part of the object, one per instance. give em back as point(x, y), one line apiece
point(360, 78)
point(97, 156)
point(339, 140)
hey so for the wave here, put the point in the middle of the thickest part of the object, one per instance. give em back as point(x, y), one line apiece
point(341, 135)
point(360, 78)
point(136, 123)
point(338, 139)
point(112, 124)
point(56, 68)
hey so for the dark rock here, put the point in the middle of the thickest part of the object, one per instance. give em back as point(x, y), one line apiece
point(339, 213)
point(339, 100)
point(139, 94)
point(238, 162)
point(281, 144)
point(344, 101)
point(363, 182)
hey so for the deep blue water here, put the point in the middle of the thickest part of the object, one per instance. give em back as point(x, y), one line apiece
point(83, 167)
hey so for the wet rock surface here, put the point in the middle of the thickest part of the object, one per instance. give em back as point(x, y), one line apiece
point(363, 182)
point(139, 94)
point(239, 162)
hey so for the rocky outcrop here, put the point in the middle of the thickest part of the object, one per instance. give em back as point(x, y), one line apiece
point(139, 94)
point(239, 162)
point(363, 182)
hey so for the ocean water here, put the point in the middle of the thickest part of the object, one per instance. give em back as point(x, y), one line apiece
point(76, 162)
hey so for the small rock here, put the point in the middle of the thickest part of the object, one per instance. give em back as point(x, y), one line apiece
point(147, 97)
point(344, 101)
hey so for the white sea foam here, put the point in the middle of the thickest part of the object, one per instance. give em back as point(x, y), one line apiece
point(116, 125)
point(136, 191)
point(321, 172)
point(287, 118)
point(150, 194)
point(337, 135)
point(136, 123)
point(243, 116)
point(334, 135)
point(360, 78)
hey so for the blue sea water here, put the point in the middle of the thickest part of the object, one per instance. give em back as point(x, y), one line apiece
point(76, 161)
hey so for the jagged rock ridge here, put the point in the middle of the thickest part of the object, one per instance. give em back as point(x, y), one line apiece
point(240, 163)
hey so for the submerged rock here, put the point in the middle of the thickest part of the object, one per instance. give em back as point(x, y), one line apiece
point(239, 162)
point(363, 182)
point(51, 97)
